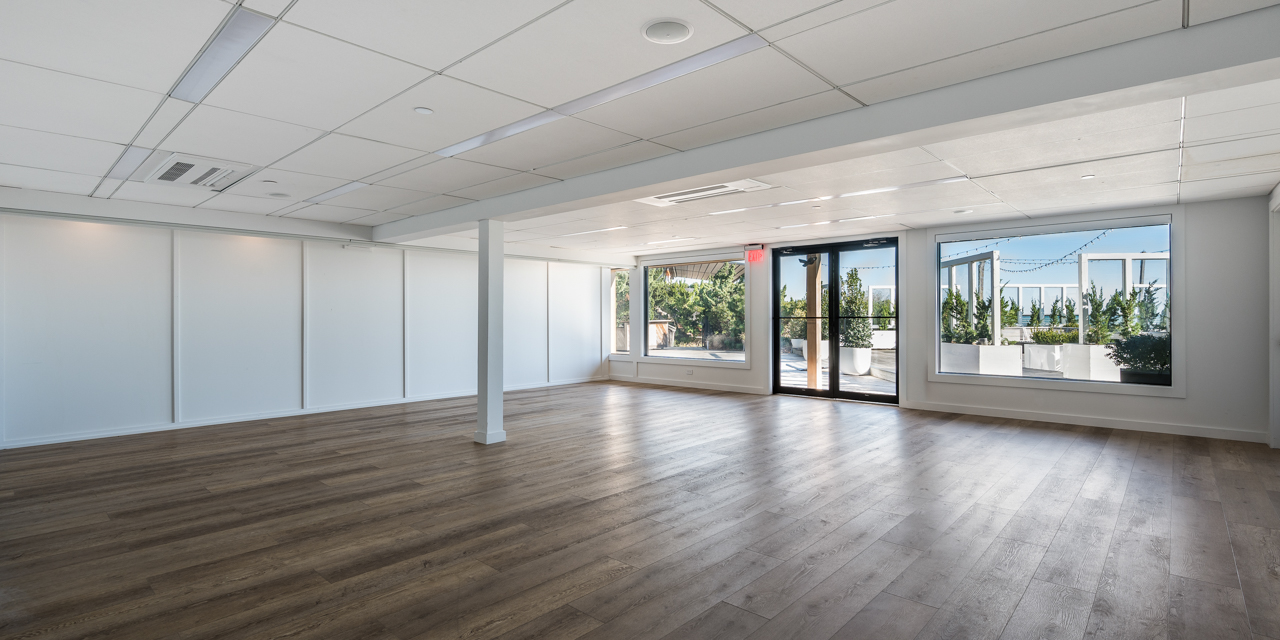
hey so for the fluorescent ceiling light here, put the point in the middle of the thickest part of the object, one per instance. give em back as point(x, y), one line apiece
point(129, 161)
point(716, 213)
point(583, 233)
point(887, 215)
point(787, 204)
point(505, 131)
point(793, 226)
point(726, 51)
point(818, 223)
point(235, 39)
point(333, 193)
point(913, 185)
point(927, 183)
point(715, 55)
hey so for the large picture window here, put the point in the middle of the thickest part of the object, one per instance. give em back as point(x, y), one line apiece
point(1081, 305)
point(697, 310)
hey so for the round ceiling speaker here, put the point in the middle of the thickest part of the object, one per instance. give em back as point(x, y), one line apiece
point(667, 31)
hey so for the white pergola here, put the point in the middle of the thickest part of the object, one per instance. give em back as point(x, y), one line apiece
point(1127, 277)
point(971, 263)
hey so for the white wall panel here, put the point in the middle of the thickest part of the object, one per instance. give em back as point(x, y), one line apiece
point(239, 325)
point(354, 325)
point(87, 338)
point(574, 338)
point(441, 344)
point(524, 326)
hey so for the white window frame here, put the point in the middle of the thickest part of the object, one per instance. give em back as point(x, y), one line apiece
point(1174, 216)
point(639, 338)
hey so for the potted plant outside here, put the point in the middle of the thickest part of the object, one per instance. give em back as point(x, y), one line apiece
point(1046, 353)
point(1089, 361)
point(958, 352)
point(855, 327)
point(1145, 359)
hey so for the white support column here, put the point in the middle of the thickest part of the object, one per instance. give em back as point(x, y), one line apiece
point(489, 383)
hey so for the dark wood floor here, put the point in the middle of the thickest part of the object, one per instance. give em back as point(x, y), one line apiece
point(619, 511)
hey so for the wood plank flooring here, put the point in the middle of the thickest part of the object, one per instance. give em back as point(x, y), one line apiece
point(624, 511)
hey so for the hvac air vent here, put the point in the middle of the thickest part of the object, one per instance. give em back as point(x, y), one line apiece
point(182, 170)
point(737, 186)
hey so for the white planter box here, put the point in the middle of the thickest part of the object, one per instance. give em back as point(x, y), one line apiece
point(1088, 362)
point(1042, 356)
point(804, 349)
point(884, 340)
point(992, 360)
point(855, 362)
point(1016, 334)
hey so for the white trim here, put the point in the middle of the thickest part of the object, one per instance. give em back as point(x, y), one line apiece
point(737, 255)
point(1172, 215)
point(1092, 421)
point(696, 384)
point(167, 426)
point(404, 324)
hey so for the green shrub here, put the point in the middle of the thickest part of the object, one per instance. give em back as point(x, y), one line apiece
point(1143, 352)
point(1055, 337)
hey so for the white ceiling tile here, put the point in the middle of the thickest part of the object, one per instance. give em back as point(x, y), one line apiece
point(544, 221)
point(461, 110)
point(391, 172)
point(503, 186)
point(230, 135)
point(328, 213)
point(61, 103)
point(269, 7)
point(826, 13)
point(1226, 168)
point(46, 180)
point(1021, 196)
point(142, 43)
point(296, 186)
point(808, 108)
point(893, 36)
point(56, 152)
point(1059, 130)
point(1259, 184)
point(837, 170)
point(1203, 11)
point(378, 198)
point(1102, 31)
point(299, 76)
point(430, 205)
point(588, 45)
point(1165, 162)
point(608, 159)
point(1090, 147)
point(563, 139)
point(1123, 200)
point(339, 156)
point(245, 204)
point(165, 119)
point(1243, 148)
point(759, 14)
point(449, 174)
point(1234, 124)
point(162, 194)
point(1139, 196)
point(878, 179)
point(376, 219)
point(730, 88)
point(1249, 95)
point(956, 195)
point(431, 34)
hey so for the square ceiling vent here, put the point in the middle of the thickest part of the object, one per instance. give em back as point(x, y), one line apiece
point(182, 170)
point(737, 186)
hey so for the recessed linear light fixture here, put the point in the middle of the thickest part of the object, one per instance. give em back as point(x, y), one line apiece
point(333, 193)
point(233, 41)
point(886, 215)
point(129, 161)
point(913, 185)
point(1088, 176)
point(963, 211)
point(583, 233)
point(715, 55)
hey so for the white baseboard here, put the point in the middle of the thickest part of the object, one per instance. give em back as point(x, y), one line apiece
point(187, 424)
point(1094, 421)
point(694, 384)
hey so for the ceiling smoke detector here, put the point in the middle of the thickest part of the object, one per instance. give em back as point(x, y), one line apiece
point(711, 191)
point(667, 31)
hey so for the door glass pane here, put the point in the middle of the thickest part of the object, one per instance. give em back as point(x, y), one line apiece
point(869, 320)
point(804, 338)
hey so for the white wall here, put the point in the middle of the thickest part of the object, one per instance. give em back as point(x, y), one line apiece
point(108, 329)
point(1227, 263)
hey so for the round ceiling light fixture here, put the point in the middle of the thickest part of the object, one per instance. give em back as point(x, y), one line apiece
point(963, 211)
point(268, 181)
point(278, 195)
point(667, 31)
point(426, 111)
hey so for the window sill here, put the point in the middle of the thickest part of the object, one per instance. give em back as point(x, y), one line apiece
point(681, 362)
point(1178, 390)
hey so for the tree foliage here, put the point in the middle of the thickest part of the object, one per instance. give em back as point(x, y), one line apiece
point(1037, 314)
point(1098, 318)
point(1055, 313)
point(855, 329)
point(622, 297)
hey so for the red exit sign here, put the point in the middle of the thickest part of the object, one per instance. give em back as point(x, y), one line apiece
point(755, 253)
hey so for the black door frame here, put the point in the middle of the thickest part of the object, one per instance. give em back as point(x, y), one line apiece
point(833, 318)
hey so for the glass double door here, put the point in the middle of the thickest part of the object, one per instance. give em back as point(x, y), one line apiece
point(835, 320)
